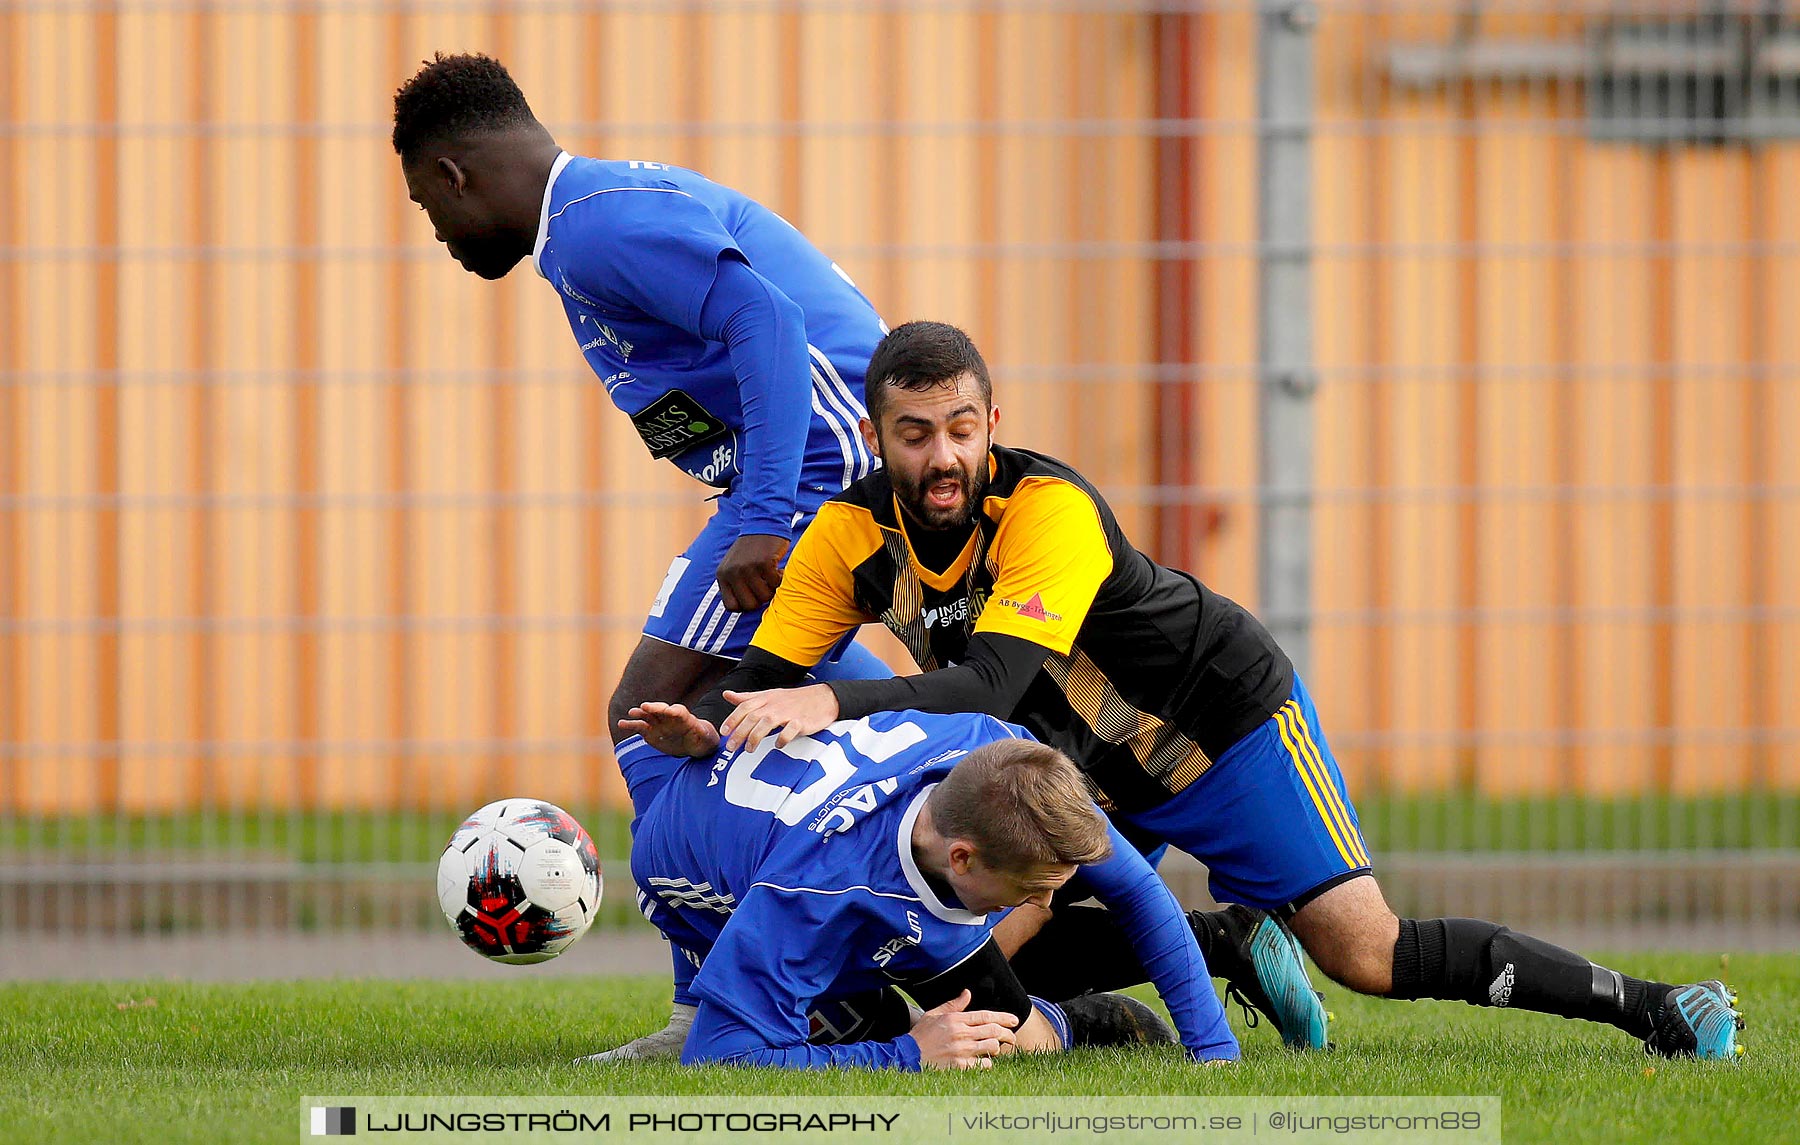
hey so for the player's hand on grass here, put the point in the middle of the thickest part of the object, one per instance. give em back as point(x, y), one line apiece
point(955, 1037)
point(788, 713)
point(751, 571)
point(672, 729)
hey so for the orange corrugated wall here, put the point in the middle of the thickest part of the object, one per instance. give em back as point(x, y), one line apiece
point(294, 512)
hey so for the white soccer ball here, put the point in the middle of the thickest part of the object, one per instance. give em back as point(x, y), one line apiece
point(520, 881)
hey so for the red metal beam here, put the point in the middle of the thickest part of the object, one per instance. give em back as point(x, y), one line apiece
point(106, 400)
point(304, 405)
point(203, 303)
point(1177, 401)
point(12, 411)
point(397, 400)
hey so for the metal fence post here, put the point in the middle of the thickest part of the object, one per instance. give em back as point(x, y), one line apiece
point(1284, 57)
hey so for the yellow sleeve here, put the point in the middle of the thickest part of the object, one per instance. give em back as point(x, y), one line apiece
point(1051, 557)
point(816, 603)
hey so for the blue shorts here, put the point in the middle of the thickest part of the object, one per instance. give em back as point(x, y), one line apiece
point(1270, 818)
point(688, 611)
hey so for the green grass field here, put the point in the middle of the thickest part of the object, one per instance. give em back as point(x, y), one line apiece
point(218, 1063)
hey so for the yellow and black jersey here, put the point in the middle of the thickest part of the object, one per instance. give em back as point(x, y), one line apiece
point(1150, 675)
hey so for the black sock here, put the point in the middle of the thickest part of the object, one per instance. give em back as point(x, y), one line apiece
point(1468, 960)
point(1081, 950)
point(1210, 933)
point(1641, 1001)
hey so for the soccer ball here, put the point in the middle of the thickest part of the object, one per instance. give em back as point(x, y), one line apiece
point(520, 881)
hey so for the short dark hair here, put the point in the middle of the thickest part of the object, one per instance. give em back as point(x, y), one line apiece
point(919, 355)
point(1020, 802)
point(455, 95)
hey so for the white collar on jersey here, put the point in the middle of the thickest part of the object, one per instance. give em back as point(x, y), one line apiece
point(916, 877)
point(537, 251)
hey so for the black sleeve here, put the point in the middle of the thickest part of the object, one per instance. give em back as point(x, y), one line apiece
point(987, 977)
point(993, 679)
point(756, 671)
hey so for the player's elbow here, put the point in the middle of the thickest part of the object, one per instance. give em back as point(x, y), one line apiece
point(761, 303)
point(787, 314)
point(777, 308)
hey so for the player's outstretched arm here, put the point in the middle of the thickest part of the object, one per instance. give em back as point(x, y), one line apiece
point(950, 1036)
point(672, 729)
point(721, 1037)
point(757, 671)
point(992, 678)
point(785, 713)
point(1164, 942)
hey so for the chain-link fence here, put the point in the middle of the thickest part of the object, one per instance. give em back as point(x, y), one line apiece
point(310, 543)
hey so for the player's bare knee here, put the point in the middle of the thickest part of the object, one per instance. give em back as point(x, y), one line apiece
point(1360, 967)
point(1350, 932)
point(1335, 958)
point(618, 707)
point(664, 673)
point(649, 676)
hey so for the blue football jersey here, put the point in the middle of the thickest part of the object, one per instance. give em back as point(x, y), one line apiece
point(788, 876)
point(633, 249)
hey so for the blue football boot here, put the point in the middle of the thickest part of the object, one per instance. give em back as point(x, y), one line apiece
point(1264, 969)
point(1697, 1021)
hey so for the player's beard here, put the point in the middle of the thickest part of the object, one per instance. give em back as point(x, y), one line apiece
point(487, 254)
point(911, 495)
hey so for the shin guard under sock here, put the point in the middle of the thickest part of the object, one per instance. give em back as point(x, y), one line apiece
point(1483, 964)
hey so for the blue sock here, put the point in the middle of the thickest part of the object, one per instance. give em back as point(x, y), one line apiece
point(1057, 1019)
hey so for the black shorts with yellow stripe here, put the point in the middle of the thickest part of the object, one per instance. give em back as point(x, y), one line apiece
point(1270, 819)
